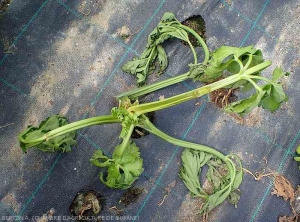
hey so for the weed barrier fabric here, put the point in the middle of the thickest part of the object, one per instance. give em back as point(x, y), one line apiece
point(65, 57)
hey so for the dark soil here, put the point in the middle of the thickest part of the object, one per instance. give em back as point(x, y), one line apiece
point(222, 97)
point(86, 203)
point(131, 196)
point(4, 4)
point(139, 132)
point(197, 23)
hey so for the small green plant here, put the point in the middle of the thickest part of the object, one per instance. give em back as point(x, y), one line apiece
point(297, 158)
point(125, 36)
point(226, 67)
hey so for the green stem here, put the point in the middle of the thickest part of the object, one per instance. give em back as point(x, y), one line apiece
point(240, 63)
point(201, 41)
point(262, 78)
point(162, 104)
point(147, 125)
point(149, 59)
point(198, 37)
point(125, 141)
point(153, 106)
point(193, 51)
point(248, 62)
point(232, 170)
point(257, 68)
point(135, 93)
point(74, 126)
point(184, 37)
point(254, 84)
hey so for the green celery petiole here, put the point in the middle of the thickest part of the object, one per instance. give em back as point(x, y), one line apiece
point(72, 127)
point(257, 68)
point(154, 106)
point(147, 125)
point(125, 142)
point(137, 92)
point(200, 40)
point(186, 39)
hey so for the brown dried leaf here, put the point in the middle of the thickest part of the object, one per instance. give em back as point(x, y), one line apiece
point(297, 200)
point(283, 188)
point(287, 219)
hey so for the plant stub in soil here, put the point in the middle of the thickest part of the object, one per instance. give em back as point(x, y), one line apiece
point(131, 196)
point(4, 4)
point(86, 203)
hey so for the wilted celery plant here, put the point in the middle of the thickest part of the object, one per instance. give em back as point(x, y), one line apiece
point(226, 67)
